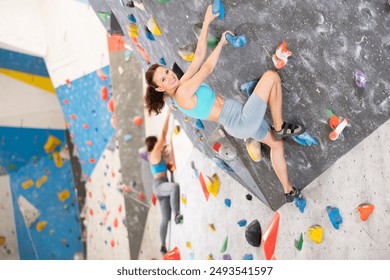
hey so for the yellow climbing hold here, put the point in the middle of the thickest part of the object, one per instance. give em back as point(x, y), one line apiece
point(188, 52)
point(176, 130)
point(253, 148)
point(132, 29)
point(153, 27)
point(51, 143)
point(183, 199)
point(2, 240)
point(41, 225)
point(57, 159)
point(27, 184)
point(315, 233)
point(64, 195)
point(210, 257)
point(189, 245)
point(40, 182)
point(212, 227)
point(212, 184)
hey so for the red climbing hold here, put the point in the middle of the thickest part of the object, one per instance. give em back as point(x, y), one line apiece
point(88, 142)
point(73, 116)
point(174, 254)
point(270, 236)
point(365, 211)
point(66, 101)
point(216, 146)
point(86, 126)
point(154, 199)
point(104, 93)
point(137, 120)
point(141, 196)
point(91, 160)
point(68, 83)
point(113, 121)
point(116, 223)
point(101, 75)
point(112, 243)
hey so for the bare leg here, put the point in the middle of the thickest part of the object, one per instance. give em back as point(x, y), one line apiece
point(278, 160)
point(269, 88)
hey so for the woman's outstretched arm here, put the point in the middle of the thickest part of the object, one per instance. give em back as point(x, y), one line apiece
point(201, 47)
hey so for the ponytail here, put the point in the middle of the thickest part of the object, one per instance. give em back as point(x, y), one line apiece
point(154, 100)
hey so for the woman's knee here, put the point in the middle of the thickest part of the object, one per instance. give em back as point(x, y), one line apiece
point(273, 75)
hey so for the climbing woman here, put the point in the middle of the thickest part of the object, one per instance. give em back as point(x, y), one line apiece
point(166, 192)
point(197, 100)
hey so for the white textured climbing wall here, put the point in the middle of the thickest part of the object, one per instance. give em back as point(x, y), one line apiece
point(8, 238)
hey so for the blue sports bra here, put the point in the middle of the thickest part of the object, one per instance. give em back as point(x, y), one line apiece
point(205, 97)
point(159, 167)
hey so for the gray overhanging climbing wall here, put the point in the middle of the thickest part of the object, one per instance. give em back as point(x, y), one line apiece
point(329, 41)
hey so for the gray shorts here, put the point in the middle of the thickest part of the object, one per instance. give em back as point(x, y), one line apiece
point(245, 121)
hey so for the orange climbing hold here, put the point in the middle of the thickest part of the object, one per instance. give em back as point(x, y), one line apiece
point(174, 254)
point(269, 237)
point(365, 211)
point(2, 240)
point(204, 187)
point(104, 93)
point(110, 105)
point(281, 55)
point(138, 120)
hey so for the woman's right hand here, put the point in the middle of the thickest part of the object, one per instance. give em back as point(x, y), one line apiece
point(223, 40)
point(209, 16)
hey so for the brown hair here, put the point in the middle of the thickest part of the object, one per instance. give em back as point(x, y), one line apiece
point(150, 141)
point(154, 100)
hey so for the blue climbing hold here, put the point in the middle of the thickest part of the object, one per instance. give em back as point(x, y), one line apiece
point(305, 139)
point(162, 62)
point(218, 8)
point(128, 137)
point(149, 34)
point(249, 86)
point(131, 18)
point(242, 223)
point(228, 202)
point(334, 216)
point(199, 124)
point(236, 41)
point(222, 164)
point(300, 202)
point(247, 257)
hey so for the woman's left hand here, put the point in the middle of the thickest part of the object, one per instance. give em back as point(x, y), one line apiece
point(209, 17)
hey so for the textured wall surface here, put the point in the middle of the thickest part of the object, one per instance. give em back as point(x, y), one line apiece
point(329, 42)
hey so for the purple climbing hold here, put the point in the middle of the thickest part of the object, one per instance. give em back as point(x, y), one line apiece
point(218, 8)
point(226, 257)
point(360, 78)
point(236, 41)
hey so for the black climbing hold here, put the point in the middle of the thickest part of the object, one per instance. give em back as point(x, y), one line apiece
point(249, 196)
point(253, 233)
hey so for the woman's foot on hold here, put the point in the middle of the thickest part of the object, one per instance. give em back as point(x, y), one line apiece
point(163, 249)
point(288, 129)
point(178, 219)
point(291, 195)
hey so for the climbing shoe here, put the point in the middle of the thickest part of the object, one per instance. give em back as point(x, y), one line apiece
point(291, 195)
point(288, 129)
point(178, 219)
point(163, 249)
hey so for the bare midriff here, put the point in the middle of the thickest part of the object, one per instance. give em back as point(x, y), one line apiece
point(216, 109)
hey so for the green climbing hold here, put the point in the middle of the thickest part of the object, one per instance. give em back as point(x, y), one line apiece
point(224, 246)
point(212, 38)
point(298, 243)
point(104, 16)
point(11, 167)
point(162, 1)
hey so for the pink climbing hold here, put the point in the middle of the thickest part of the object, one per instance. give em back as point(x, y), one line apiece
point(104, 93)
point(110, 105)
point(113, 121)
point(269, 237)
